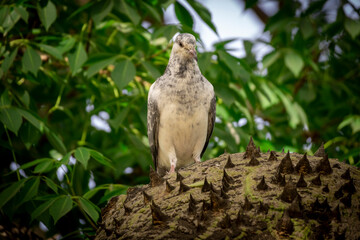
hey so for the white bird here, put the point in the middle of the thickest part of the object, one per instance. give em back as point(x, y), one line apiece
point(181, 110)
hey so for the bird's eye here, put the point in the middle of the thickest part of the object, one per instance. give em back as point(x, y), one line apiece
point(181, 45)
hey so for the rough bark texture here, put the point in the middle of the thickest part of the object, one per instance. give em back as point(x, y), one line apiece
point(249, 195)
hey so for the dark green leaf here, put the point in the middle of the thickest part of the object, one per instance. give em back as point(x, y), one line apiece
point(123, 73)
point(89, 194)
point(11, 18)
point(42, 208)
point(31, 61)
point(152, 70)
point(55, 141)
point(45, 166)
point(29, 135)
point(101, 10)
point(47, 14)
point(91, 209)
point(294, 62)
point(10, 192)
point(8, 61)
point(123, 7)
point(66, 158)
point(82, 155)
point(22, 12)
point(99, 157)
point(51, 50)
point(77, 58)
point(60, 207)
point(97, 66)
point(352, 27)
point(183, 15)
point(11, 118)
point(30, 190)
point(50, 183)
point(32, 119)
point(35, 162)
point(204, 13)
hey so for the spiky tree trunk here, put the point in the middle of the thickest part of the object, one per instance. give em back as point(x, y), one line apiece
point(249, 195)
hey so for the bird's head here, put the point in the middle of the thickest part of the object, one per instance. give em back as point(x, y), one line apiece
point(185, 46)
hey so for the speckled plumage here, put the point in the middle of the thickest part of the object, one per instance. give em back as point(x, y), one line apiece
point(181, 110)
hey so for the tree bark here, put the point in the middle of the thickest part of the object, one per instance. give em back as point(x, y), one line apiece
point(251, 195)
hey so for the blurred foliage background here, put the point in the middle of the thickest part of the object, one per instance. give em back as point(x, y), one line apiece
point(68, 65)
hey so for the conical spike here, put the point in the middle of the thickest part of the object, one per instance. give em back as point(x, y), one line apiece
point(229, 163)
point(283, 150)
point(278, 179)
point(346, 175)
point(286, 165)
point(336, 213)
point(227, 177)
point(217, 202)
point(317, 180)
point(169, 188)
point(272, 156)
point(323, 166)
point(303, 165)
point(183, 187)
point(247, 204)
point(206, 186)
point(192, 205)
point(213, 189)
point(316, 206)
point(243, 219)
point(339, 193)
point(250, 149)
point(262, 185)
point(147, 197)
point(296, 208)
point(223, 194)
point(320, 152)
point(301, 182)
point(349, 187)
point(253, 161)
point(289, 193)
point(325, 205)
point(285, 226)
point(127, 210)
point(179, 177)
point(346, 200)
point(258, 152)
point(326, 189)
point(263, 208)
point(155, 178)
point(225, 184)
point(157, 216)
point(225, 222)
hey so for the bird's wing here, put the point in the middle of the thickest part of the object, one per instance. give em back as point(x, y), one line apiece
point(211, 123)
point(153, 120)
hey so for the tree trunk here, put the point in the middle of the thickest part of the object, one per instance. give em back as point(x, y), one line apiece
point(249, 195)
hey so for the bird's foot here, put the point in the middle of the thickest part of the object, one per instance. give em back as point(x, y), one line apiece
point(172, 169)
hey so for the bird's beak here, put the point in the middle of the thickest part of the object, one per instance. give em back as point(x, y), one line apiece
point(193, 53)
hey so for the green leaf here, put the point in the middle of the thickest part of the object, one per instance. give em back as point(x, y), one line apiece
point(294, 62)
point(10, 19)
point(353, 121)
point(66, 44)
point(352, 27)
point(10, 192)
point(66, 158)
point(89, 208)
point(29, 135)
point(152, 11)
point(97, 66)
point(89, 194)
point(50, 183)
point(31, 61)
point(249, 94)
point(60, 207)
point(8, 61)
point(270, 58)
point(99, 157)
point(204, 13)
point(123, 73)
point(183, 15)
point(55, 141)
point(101, 10)
point(82, 155)
point(32, 119)
point(11, 118)
point(34, 162)
point(77, 58)
point(42, 208)
point(47, 14)
point(22, 12)
point(129, 11)
point(151, 69)
point(51, 50)
point(30, 190)
point(45, 166)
